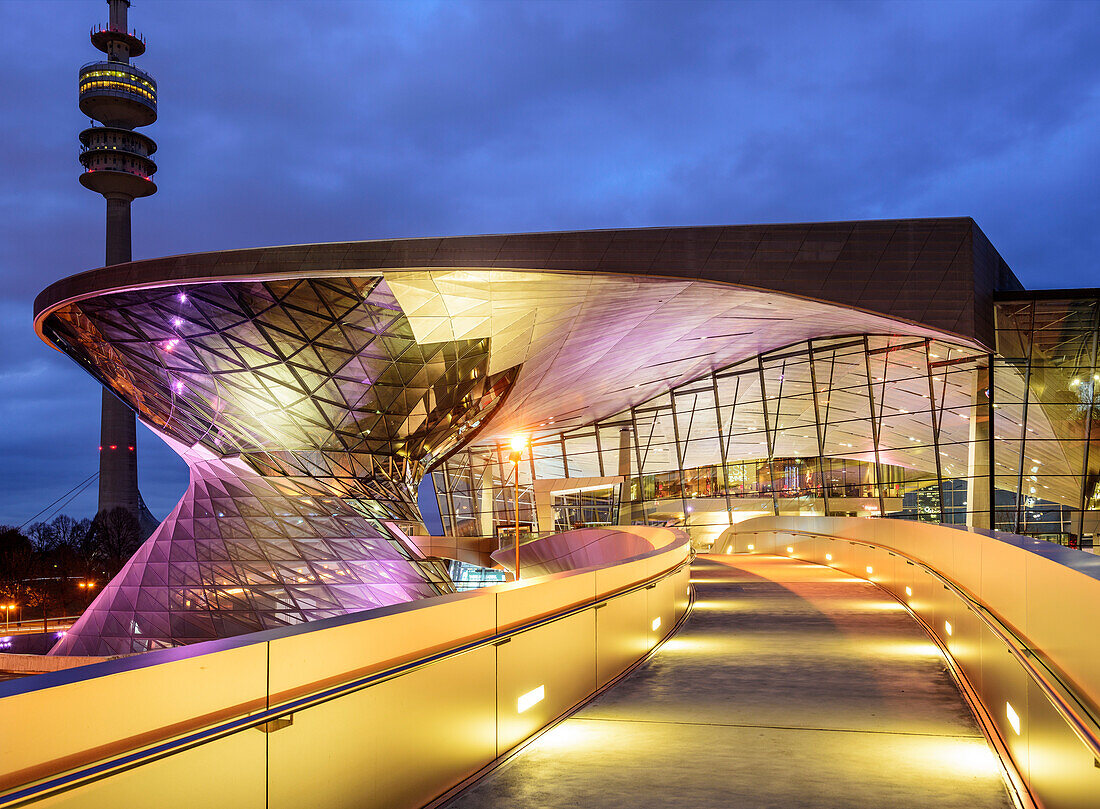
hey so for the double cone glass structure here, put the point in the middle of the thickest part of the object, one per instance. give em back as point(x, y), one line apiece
point(689, 375)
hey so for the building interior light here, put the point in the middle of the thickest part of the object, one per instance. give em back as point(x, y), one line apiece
point(790, 549)
point(828, 557)
point(752, 547)
point(656, 623)
point(947, 627)
point(870, 570)
point(909, 592)
point(531, 698)
point(729, 549)
point(1013, 717)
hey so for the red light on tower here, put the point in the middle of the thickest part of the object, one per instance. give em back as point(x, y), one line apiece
point(114, 446)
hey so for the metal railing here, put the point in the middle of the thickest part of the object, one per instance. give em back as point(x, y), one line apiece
point(980, 595)
point(463, 670)
point(38, 624)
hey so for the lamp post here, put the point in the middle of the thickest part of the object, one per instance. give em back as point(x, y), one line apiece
point(515, 457)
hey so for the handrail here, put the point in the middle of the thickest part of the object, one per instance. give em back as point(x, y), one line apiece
point(1081, 720)
point(562, 545)
point(1018, 786)
point(37, 622)
point(135, 756)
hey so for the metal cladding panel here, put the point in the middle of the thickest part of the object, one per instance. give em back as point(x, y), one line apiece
point(991, 275)
point(241, 553)
point(939, 273)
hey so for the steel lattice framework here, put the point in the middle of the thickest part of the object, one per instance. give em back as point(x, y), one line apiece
point(307, 413)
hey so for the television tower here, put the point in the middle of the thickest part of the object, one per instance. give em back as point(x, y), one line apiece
point(117, 164)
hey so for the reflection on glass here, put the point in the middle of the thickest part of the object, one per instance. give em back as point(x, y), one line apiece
point(873, 425)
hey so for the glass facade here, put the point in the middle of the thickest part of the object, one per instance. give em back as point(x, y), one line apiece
point(472, 577)
point(585, 508)
point(306, 411)
point(1049, 446)
point(868, 425)
point(698, 376)
point(117, 78)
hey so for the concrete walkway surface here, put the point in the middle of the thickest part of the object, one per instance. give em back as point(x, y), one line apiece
point(790, 685)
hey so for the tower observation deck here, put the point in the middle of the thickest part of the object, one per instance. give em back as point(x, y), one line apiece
point(118, 164)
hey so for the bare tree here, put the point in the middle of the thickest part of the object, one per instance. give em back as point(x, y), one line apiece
point(63, 531)
point(115, 536)
point(18, 565)
point(41, 536)
point(17, 557)
point(70, 532)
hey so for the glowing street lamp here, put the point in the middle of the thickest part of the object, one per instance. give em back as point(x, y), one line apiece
point(518, 443)
point(7, 614)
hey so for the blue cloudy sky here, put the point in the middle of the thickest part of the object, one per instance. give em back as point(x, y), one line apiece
point(284, 121)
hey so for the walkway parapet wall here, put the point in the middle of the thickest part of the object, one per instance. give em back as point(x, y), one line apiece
point(390, 707)
point(1014, 615)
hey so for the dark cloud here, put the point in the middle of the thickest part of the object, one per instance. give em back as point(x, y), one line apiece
point(287, 122)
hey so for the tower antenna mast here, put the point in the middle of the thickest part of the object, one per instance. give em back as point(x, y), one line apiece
point(118, 164)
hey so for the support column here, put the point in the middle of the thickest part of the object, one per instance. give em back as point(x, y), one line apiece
point(934, 413)
point(118, 481)
point(485, 512)
point(118, 231)
point(624, 473)
point(820, 428)
point(117, 456)
point(876, 423)
point(624, 452)
point(722, 448)
point(978, 495)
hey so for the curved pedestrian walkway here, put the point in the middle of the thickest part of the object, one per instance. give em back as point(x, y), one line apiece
point(790, 685)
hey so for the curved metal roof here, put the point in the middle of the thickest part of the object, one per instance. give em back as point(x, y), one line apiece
point(939, 273)
point(600, 320)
